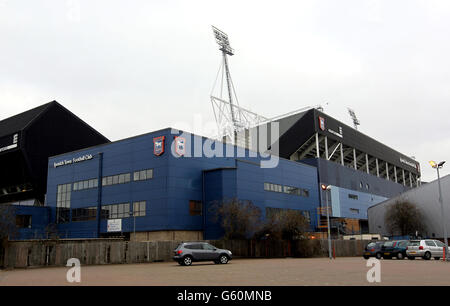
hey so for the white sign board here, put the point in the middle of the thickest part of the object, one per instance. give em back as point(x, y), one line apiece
point(114, 225)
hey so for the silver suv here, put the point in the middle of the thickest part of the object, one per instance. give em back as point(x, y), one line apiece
point(188, 252)
point(426, 249)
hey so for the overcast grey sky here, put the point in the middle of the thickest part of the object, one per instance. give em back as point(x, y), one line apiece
point(130, 67)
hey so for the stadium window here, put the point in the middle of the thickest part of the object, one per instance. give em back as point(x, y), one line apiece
point(84, 214)
point(306, 193)
point(23, 221)
point(116, 211)
point(195, 208)
point(87, 184)
point(143, 175)
point(63, 195)
point(116, 179)
point(354, 211)
point(62, 215)
point(353, 196)
point(139, 208)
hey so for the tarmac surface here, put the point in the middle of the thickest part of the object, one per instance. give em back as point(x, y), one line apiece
point(240, 272)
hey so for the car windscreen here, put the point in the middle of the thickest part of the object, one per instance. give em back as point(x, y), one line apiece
point(414, 243)
point(389, 243)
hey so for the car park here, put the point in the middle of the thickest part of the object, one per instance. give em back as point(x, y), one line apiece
point(373, 249)
point(188, 252)
point(425, 248)
point(395, 248)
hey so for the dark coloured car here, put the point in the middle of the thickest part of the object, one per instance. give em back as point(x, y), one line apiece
point(373, 249)
point(396, 248)
point(188, 252)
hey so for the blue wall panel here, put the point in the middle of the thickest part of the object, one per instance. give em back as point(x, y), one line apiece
point(176, 181)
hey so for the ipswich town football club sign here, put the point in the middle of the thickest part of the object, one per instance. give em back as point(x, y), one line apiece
point(180, 145)
point(158, 145)
point(322, 123)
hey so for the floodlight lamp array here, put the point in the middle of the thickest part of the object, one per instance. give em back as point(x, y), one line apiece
point(222, 41)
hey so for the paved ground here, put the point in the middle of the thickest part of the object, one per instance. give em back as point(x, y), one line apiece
point(274, 272)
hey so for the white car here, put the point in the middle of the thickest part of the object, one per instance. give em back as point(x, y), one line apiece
point(426, 249)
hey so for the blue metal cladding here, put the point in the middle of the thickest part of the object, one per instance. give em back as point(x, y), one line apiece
point(351, 207)
point(364, 189)
point(246, 182)
point(39, 220)
point(176, 180)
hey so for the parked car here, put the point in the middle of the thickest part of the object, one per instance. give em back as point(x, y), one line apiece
point(396, 248)
point(188, 252)
point(425, 248)
point(373, 249)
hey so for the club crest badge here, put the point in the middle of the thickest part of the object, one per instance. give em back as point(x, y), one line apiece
point(180, 145)
point(322, 123)
point(158, 145)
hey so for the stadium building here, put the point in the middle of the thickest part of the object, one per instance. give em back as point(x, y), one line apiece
point(156, 186)
point(360, 170)
point(27, 140)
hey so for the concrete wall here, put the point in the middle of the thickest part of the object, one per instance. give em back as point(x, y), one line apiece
point(167, 235)
point(426, 199)
point(22, 254)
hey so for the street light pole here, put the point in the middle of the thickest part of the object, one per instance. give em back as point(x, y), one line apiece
point(326, 189)
point(441, 201)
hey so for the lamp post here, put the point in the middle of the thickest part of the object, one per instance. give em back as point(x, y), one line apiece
point(134, 223)
point(326, 189)
point(438, 166)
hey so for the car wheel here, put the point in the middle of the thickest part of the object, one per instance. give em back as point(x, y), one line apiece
point(378, 256)
point(400, 255)
point(187, 261)
point(427, 256)
point(223, 259)
point(366, 257)
point(411, 257)
point(437, 258)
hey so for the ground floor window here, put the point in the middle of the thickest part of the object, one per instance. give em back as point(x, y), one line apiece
point(116, 211)
point(23, 221)
point(195, 208)
point(84, 214)
point(62, 215)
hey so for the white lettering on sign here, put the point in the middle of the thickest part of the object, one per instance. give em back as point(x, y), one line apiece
point(8, 147)
point(336, 133)
point(73, 160)
point(114, 225)
point(407, 162)
point(13, 145)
